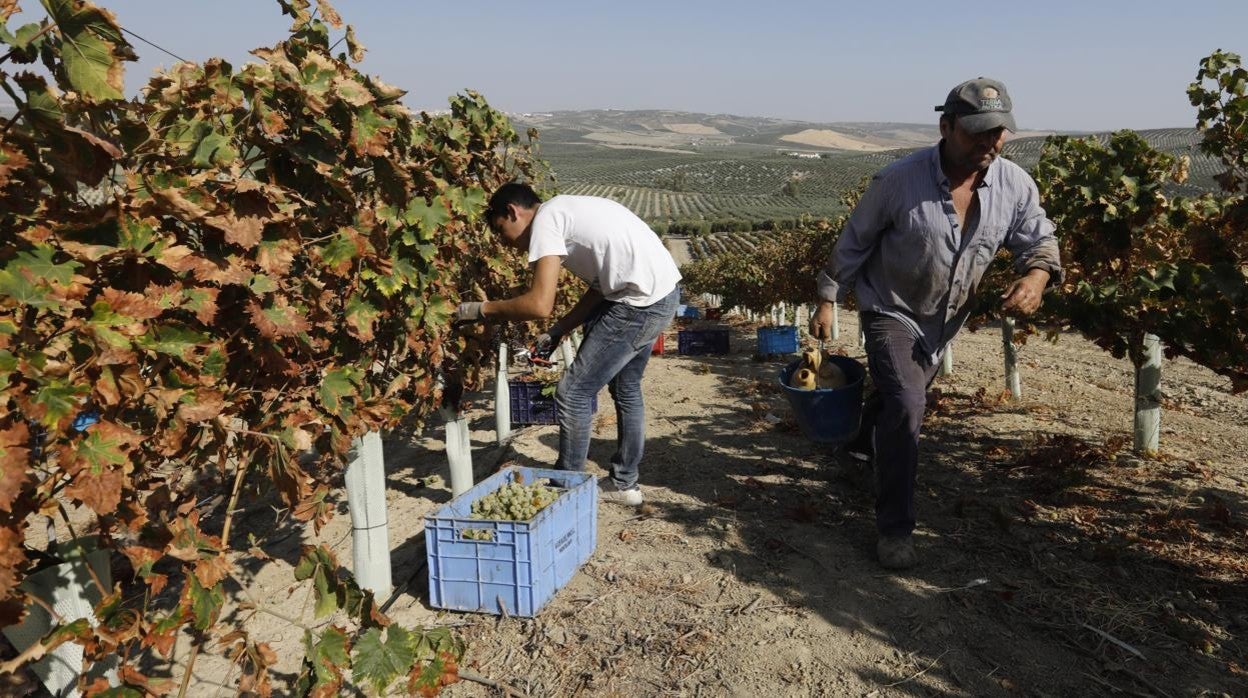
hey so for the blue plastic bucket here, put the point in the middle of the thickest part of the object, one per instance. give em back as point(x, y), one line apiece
point(831, 415)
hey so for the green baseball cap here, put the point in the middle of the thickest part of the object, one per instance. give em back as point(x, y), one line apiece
point(981, 105)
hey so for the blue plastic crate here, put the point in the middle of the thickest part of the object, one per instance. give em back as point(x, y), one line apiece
point(777, 340)
point(526, 562)
point(694, 342)
point(688, 311)
point(529, 406)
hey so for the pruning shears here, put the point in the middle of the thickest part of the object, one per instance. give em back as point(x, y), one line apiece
point(533, 357)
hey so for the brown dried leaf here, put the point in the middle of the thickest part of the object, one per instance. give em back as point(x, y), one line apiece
point(99, 490)
point(329, 13)
point(14, 463)
point(279, 319)
point(207, 405)
point(179, 258)
point(11, 160)
point(245, 231)
point(212, 570)
point(133, 305)
point(275, 258)
point(12, 558)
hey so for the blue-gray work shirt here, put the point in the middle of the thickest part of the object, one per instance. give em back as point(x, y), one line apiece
point(903, 254)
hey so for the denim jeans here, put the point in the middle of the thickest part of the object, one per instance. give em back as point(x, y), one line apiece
point(901, 373)
point(614, 353)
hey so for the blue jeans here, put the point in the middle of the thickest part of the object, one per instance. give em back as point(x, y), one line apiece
point(614, 353)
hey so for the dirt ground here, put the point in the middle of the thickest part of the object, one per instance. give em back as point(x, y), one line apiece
point(1052, 561)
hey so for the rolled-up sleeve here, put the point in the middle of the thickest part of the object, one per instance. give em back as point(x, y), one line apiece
point(856, 243)
point(1031, 240)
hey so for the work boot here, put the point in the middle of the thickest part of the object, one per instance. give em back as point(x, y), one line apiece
point(895, 552)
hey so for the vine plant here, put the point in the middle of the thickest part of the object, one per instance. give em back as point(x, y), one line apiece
point(197, 285)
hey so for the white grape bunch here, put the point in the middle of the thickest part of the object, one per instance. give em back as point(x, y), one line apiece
point(511, 502)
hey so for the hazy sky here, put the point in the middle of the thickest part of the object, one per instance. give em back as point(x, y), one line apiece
point(1087, 65)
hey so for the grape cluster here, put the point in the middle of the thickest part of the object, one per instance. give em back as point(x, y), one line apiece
point(511, 502)
point(514, 502)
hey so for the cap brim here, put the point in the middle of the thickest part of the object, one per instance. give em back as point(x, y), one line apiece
point(978, 123)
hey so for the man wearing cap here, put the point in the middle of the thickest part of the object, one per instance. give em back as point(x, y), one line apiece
point(913, 252)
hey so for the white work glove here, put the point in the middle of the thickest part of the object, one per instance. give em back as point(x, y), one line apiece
point(469, 312)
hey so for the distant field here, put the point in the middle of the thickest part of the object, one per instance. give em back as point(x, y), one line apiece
point(657, 205)
point(757, 182)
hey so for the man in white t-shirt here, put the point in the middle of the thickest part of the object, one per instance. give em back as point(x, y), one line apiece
point(632, 296)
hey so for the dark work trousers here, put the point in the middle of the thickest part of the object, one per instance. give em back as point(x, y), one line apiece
point(895, 408)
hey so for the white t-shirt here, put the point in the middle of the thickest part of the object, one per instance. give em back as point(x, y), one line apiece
point(606, 245)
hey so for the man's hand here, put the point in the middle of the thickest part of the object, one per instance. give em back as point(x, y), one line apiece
point(821, 321)
point(469, 312)
point(1023, 297)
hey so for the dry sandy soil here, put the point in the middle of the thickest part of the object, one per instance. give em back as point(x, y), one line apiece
point(1053, 562)
point(826, 138)
point(751, 572)
point(693, 129)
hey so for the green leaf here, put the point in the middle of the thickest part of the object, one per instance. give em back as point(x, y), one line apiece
point(58, 401)
point(370, 132)
point(437, 311)
point(100, 452)
point(38, 262)
point(214, 149)
point(186, 135)
point(138, 235)
point(214, 363)
point(8, 364)
point(326, 657)
point(173, 340)
point(93, 48)
point(43, 109)
point(338, 252)
point(361, 315)
point(308, 562)
point(22, 38)
point(24, 291)
point(379, 662)
point(402, 274)
point(205, 603)
point(333, 646)
point(103, 320)
point(326, 591)
point(338, 387)
point(469, 201)
point(261, 284)
point(120, 692)
point(427, 218)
